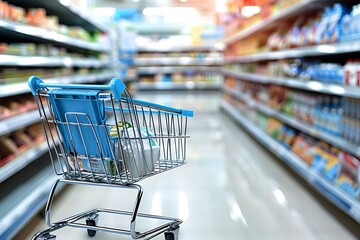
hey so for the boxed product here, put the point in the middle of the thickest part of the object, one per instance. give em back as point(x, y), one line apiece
point(92, 164)
point(139, 155)
point(350, 173)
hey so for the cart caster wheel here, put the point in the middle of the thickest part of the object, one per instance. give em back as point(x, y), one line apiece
point(173, 234)
point(92, 221)
point(48, 236)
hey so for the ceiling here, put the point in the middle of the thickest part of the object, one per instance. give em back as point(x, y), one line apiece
point(204, 6)
point(203, 13)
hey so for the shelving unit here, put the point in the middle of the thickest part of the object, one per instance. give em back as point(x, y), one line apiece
point(314, 86)
point(19, 88)
point(22, 161)
point(295, 123)
point(19, 121)
point(182, 61)
point(186, 65)
point(309, 51)
point(177, 86)
point(27, 188)
point(68, 13)
point(31, 33)
point(25, 201)
point(328, 190)
point(272, 21)
point(332, 192)
point(29, 61)
point(160, 69)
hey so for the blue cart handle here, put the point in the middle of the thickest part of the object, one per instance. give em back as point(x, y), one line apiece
point(115, 85)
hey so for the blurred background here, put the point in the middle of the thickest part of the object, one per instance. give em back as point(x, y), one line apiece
point(274, 148)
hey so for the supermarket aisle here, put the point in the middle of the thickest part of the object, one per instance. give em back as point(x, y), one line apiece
point(230, 189)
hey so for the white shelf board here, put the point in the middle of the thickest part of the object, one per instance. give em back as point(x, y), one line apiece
point(314, 86)
point(25, 201)
point(203, 48)
point(40, 61)
point(181, 61)
point(302, 126)
point(175, 69)
point(19, 88)
point(22, 161)
point(19, 121)
point(334, 194)
point(178, 86)
point(50, 36)
point(310, 51)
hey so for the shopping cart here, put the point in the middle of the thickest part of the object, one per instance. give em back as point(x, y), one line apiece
point(98, 135)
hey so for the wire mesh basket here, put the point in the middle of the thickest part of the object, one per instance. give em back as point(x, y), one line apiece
point(96, 134)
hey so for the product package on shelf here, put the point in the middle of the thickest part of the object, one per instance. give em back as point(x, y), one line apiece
point(349, 178)
point(16, 143)
point(13, 106)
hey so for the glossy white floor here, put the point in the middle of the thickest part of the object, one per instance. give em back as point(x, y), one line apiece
point(230, 189)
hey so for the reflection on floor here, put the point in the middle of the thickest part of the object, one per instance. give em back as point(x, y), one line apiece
point(231, 189)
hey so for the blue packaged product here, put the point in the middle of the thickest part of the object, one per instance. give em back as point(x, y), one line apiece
point(318, 162)
point(346, 28)
point(333, 29)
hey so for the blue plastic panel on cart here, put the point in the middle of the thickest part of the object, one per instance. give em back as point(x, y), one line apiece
point(81, 139)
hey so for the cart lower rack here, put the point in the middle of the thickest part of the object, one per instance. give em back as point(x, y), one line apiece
point(98, 135)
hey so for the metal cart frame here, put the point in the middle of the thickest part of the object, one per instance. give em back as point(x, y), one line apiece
point(98, 135)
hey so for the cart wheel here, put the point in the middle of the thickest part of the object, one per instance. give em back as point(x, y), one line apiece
point(48, 236)
point(92, 221)
point(173, 234)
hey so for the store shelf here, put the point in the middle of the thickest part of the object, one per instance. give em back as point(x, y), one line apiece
point(310, 51)
point(22, 161)
point(21, 31)
point(177, 86)
point(19, 121)
point(19, 88)
point(129, 79)
point(314, 86)
point(25, 201)
point(295, 10)
point(330, 191)
point(68, 13)
point(173, 69)
point(38, 61)
point(182, 61)
point(204, 48)
point(301, 126)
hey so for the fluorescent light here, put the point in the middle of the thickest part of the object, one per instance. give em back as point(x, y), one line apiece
point(326, 49)
point(104, 11)
point(65, 2)
point(220, 6)
point(248, 11)
point(136, 0)
point(162, 11)
point(219, 46)
point(183, 206)
point(156, 204)
point(315, 85)
point(337, 89)
point(280, 197)
point(183, 0)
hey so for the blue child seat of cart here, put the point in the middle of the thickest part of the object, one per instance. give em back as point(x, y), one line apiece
point(84, 99)
point(81, 121)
